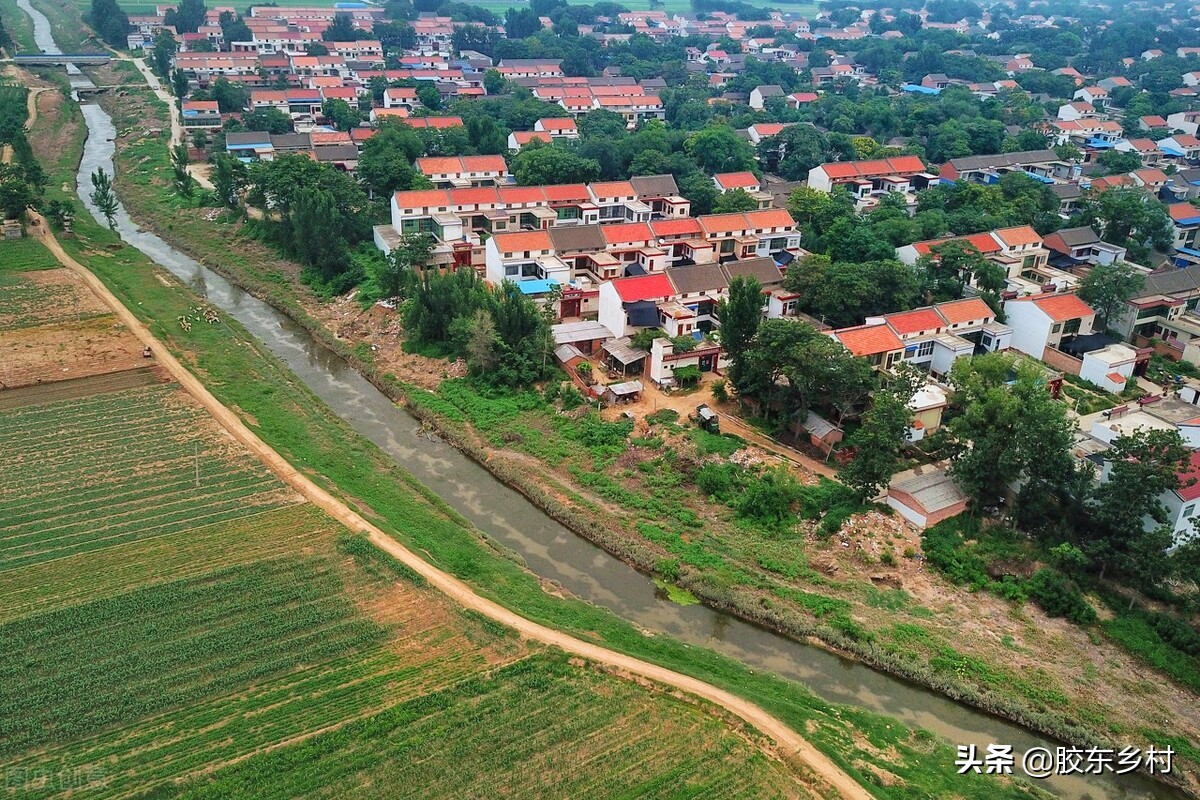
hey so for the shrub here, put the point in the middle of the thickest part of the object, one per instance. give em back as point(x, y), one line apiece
point(946, 550)
point(571, 397)
point(1059, 597)
point(768, 500)
point(662, 415)
point(718, 481)
point(668, 568)
point(719, 391)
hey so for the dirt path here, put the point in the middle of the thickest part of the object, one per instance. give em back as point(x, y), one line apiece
point(177, 131)
point(31, 115)
point(787, 740)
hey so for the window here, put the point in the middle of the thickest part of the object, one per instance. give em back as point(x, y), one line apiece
point(925, 350)
point(510, 270)
point(1072, 326)
point(1189, 510)
point(1057, 327)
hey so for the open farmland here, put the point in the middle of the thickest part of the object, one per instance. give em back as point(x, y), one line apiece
point(37, 291)
point(176, 620)
point(140, 463)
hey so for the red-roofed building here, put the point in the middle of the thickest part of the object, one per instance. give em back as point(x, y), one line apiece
point(557, 127)
point(464, 171)
point(877, 343)
point(867, 180)
point(930, 338)
point(1043, 322)
point(518, 139)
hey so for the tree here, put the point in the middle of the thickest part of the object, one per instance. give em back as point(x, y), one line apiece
point(429, 96)
point(234, 28)
point(184, 182)
point(1129, 530)
point(1009, 431)
point(230, 97)
point(1127, 216)
point(539, 163)
point(385, 165)
point(718, 149)
point(5, 40)
point(268, 120)
point(741, 313)
point(163, 53)
point(494, 82)
point(340, 113)
point(103, 196)
point(110, 22)
point(483, 344)
point(794, 151)
point(733, 201)
point(950, 266)
point(1116, 162)
point(17, 190)
point(844, 293)
point(877, 444)
point(1106, 287)
point(179, 83)
point(229, 178)
point(340, 30)
point(390, 276)
point(790, 365)
point(188, 17)
point(318, 239)
point(521, 23)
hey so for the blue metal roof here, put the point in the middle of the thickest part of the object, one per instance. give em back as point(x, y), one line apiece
point(536, 287)
point(1171, 151)
point(1100, 143)
point(1037, 177)
point(1188, 251)
point(918, 89)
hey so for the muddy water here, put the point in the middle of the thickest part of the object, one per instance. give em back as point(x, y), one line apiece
point(552, 551)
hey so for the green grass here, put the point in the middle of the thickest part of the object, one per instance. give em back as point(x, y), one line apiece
point(139, 467)
point(24, 255)
point(19, 26)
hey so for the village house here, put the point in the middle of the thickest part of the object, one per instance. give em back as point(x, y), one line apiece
point(1040, 323)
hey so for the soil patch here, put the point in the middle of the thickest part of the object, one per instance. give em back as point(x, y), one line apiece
point(47, 353)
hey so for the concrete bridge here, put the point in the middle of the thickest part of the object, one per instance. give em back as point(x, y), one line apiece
point(58, 59)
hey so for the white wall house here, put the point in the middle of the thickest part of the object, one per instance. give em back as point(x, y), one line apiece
point(1041, 321)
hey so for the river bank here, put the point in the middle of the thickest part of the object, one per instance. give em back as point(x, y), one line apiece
point(280, 290)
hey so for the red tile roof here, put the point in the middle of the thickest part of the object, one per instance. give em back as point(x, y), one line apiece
point(627, 233)
point(900, 165)
point(1183, 211)
point(770, 218)
point(523, 241)
point(915, 321)
point(869, 340)
point(1021, 235)
point(1189, 473)
point(643, 287)
point(688, 226)
point(1062, 307)
point(968, 310)
point(736, 180)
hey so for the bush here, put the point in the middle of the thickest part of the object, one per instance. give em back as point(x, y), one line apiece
point(662, 415)
point(718, 481)
point(1059, 597)
point(768, 500)
point(946, 551)
point(719, 391)
point(571, 397)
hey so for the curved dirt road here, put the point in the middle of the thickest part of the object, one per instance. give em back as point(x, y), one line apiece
point(788, 742)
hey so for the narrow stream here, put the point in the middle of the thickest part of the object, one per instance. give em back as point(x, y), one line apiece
point(554, 552)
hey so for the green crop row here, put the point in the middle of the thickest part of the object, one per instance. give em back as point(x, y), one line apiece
point(71, 672)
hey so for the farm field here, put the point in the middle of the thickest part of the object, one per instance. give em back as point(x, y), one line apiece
point(178, 621)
